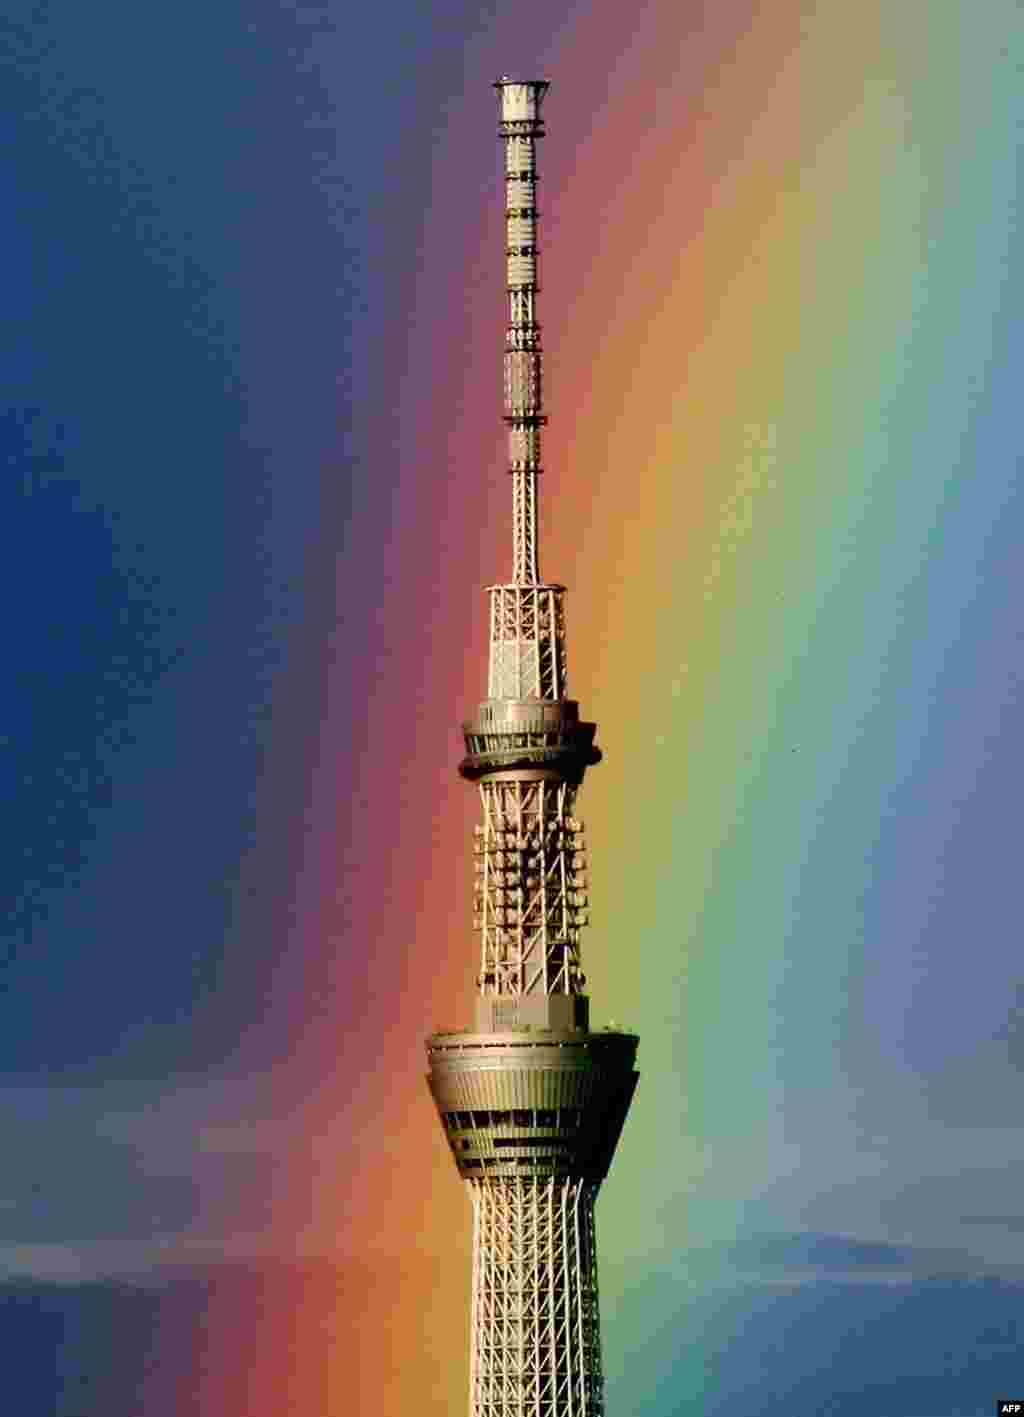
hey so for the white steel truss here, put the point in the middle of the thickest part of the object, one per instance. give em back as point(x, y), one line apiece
point(535, 1332)
point(527, 650)
point(531, 888)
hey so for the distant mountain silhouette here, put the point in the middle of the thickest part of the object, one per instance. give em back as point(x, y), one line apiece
point(944, 1346)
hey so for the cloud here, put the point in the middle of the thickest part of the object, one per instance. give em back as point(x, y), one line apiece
point(795, 1258)
point(795, 1278)
point(981, 1088)
point(807, 1250)
point(268, 1136)
point(95, 1176)
point(53, 1262)
point(152, 1260)
point(1013, 1223)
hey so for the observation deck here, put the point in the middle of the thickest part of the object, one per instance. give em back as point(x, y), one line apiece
point(529, 737)
point(536, 1104)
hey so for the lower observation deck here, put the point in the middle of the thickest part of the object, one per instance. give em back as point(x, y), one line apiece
point(533, 1103)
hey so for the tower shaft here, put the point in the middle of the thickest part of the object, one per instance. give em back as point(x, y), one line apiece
point(536, 1331)
point(526, 748)
point(531, 1101)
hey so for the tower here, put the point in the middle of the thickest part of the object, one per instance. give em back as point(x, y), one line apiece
point(532, 1102)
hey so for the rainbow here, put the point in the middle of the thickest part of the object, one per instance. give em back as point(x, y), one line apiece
point(775, 262)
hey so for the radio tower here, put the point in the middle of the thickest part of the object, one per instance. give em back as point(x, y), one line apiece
point(532, 1102)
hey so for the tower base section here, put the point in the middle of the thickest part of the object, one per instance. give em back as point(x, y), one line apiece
point(535, 1342)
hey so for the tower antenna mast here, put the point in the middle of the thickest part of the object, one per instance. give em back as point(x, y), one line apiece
point(521, 126)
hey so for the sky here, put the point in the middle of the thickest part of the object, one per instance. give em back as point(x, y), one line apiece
point(251, 374)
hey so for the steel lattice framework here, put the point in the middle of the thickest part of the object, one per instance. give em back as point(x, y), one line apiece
point(530, 893)
point(536, 1336)
point(531, 1100)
